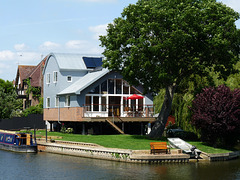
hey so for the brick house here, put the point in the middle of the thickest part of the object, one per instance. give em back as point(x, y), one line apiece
point(34, 74)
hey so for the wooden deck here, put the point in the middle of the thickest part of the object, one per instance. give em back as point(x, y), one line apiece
point(119, 119)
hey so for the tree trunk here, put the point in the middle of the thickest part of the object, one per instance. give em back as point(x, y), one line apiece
point(162, 118)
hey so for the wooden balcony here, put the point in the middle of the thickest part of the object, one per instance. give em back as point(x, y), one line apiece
point(88, 114)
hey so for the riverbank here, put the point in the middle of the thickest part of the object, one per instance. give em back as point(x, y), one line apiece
point(91, 150)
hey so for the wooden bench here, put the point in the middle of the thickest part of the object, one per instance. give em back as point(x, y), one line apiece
point(158, 147)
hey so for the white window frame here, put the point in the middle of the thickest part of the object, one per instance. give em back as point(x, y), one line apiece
point(55, 76)
point(57, 102)
point(48, 80)
point(69, 77)
point(67, 101)
point(48, 102)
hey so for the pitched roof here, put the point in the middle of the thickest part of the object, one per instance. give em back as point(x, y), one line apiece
point(22, 72)
point(84, 82)
point(36, 74)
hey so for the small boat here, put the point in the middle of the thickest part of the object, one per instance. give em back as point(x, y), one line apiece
point(185, 147)
point(17, 142)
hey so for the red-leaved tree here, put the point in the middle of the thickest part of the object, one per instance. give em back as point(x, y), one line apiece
point(216, 113)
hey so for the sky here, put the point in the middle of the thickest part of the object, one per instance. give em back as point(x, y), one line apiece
point(30, 30)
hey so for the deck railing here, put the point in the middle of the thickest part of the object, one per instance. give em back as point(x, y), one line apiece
point(111, 110)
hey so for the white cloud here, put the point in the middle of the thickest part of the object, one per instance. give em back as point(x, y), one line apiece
point(235, 4)
point(20, 47)
point(82, 47)
point(98, 30)
point(4, 66)
point(6, 55)
point(49, 46)
point(76, 44)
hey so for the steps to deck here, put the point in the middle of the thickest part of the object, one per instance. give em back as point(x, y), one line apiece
point(115, 127)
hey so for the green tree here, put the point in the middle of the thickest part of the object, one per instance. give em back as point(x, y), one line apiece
point(159, 43)
point(8, 99)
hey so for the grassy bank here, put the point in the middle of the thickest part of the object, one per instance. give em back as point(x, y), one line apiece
point(134, 142)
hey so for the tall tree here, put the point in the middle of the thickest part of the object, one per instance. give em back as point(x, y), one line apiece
point(8, 99)
point(159, 43)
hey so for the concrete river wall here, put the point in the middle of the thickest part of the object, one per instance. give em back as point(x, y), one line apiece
point(124, 155)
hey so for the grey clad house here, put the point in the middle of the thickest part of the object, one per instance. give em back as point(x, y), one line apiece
point(80, 94)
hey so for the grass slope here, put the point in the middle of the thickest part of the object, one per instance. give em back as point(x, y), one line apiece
point(134, 142)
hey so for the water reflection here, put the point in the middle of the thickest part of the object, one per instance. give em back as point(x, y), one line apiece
point(53, 166)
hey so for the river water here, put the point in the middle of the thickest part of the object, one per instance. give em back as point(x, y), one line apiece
point(54, 166)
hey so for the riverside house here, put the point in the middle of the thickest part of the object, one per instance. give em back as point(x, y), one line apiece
point(34, 75)
point(80, 94)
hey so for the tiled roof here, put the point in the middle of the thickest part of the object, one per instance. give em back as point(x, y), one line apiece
point(36, 74)
point(23, 71)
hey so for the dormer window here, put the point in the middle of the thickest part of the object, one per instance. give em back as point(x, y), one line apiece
point(55, 77)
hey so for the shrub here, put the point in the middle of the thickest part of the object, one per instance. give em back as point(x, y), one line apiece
point(216, 113)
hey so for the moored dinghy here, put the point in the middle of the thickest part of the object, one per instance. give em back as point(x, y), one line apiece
point(17, 142)
point(184, 146)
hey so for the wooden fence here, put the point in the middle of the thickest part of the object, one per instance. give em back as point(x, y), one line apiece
point(30, 122)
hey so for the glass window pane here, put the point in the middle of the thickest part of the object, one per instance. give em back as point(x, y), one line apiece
point(69, 78)
point(94, 90)
point(125, 104)
point(55, 76)
point(134, 91)
point(57, 101)
point(111, 86)
point(95, 103)
point(125, 87)
point(48, 102)
point(140, 104)
point(104, 87)
point(67, 101)
point(48, 79)
point(133, 105)
point(88, 103)
point(104, 103)
point(118, 86)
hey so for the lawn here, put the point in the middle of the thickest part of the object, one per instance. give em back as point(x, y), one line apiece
point(134, 142)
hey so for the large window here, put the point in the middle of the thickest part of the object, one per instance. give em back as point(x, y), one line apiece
point(113, 94)
point(55, 77)
point(114, 86)
point(67, 101)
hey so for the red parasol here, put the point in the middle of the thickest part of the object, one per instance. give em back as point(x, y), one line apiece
point(135, 96)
